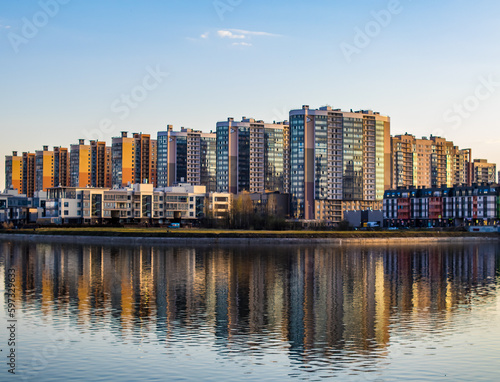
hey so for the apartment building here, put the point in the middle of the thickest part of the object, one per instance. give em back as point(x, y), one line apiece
point(337, 158)
point(432, 162)
point(463, 168)
point(133, 160)
point(80, 164)
point(44, 169)
point(100, 164)
point(145, 159)
point(442, 206)
point(484, 172)
point(14, 170)
point(186, 156)
point(208, 161)
point(123, 160)
point(17, 209)
point(61, 166)
point(251, 156)
point(29, 174)
point(90, 165)
point(140, 203)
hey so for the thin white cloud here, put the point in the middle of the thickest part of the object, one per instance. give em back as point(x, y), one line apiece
point(229, 34)
point(234, 34)
point(254, 33)
point(241, 44)
point(4, 26)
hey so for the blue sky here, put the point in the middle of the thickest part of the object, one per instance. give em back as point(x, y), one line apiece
point(433, 67)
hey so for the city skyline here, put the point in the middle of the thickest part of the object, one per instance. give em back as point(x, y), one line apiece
point(70, 71)
point(409, 158)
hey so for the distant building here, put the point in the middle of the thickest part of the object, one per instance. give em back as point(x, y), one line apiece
point(442, 206)
point(20, 173)
point(139, 203)
point(100, 164)
point(145, 159)
point(61, 166)
point(80, 165)
point(337, 160)
point(432, 162)
point(251, 156)
point(14, 172)
point(18, 209)
point(133, 160)
point(484, 172)
point(29, 174)
point(186, 156)
point(44, 169)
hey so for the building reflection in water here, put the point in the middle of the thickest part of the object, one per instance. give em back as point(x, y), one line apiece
point(306, 300)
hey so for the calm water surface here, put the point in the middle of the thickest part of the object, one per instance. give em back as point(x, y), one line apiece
point(381, 313)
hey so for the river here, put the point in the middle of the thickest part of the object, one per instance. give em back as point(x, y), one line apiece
point(228, 313)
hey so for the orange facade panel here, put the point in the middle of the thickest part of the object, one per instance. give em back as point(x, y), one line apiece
point(84, 170)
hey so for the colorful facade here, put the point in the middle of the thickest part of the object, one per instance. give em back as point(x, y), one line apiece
point(442, 206)
point(80, 165)
point(44, 169)
point(14, 172)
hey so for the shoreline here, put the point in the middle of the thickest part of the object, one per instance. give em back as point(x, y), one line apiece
point(197, 240)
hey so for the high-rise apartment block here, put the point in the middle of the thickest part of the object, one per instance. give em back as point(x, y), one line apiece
point(432, 162)
point(123, 159)
point(44, 169)
point(80, 164)
point(484, 172)
point(250, 156)
point(186, 156)
point(208, 161)
point(337, 157)
point(100, 164)
point(61, 167)
point(133, 159)
point(14, 172)
point(145, 159)
point(29, 171)
point(463, 168)
point(90, 165)
point(36, 172)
